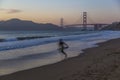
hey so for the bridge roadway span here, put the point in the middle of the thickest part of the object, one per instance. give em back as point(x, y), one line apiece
point(99, 24)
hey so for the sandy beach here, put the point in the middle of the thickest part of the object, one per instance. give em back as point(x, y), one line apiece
point(100, 63)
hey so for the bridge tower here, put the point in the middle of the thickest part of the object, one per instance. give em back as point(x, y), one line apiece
point(84, 20)
point(61, 22)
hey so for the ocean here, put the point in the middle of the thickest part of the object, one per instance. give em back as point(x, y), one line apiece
point(17, 55)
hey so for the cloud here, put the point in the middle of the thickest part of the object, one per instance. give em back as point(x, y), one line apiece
point(14, 11)
point(10, 11)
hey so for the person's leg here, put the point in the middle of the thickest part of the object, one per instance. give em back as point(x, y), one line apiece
point(64, 53)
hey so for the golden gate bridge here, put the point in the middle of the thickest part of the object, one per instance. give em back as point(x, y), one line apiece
point(84, 24)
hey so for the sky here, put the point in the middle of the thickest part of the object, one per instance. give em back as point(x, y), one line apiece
point(50, 11)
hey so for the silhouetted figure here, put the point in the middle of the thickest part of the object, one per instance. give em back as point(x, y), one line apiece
point(62, 46)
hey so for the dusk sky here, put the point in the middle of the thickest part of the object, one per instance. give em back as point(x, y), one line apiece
point(50, 11)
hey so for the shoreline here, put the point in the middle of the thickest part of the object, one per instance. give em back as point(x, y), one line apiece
point(95, 63)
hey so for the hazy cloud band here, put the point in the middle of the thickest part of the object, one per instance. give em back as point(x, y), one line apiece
point(10, 11)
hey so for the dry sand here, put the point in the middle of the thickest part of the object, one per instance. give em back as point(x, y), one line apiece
point(100, 63)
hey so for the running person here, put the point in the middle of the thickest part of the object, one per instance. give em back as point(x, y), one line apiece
point(62, 47)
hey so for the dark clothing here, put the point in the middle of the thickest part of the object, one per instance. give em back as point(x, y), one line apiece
point(62, 46)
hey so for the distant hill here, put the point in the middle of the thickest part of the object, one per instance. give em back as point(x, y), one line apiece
point(114, 26)
point(17, 24)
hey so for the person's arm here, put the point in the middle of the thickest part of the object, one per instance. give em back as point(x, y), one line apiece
point(66, 45)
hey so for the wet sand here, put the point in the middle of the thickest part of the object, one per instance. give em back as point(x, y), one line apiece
point(100, 63)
